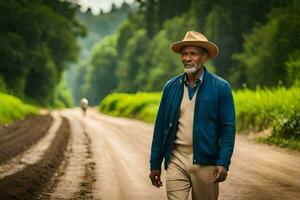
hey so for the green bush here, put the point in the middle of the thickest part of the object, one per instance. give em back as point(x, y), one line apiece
point(12, 108)
point(141, 106)
point(286, 131)
point(262, 108)
point(288, 127)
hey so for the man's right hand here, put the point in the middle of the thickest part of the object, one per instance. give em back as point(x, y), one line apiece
point(155, 178)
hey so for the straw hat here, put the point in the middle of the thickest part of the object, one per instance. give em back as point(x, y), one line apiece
point(193, 38)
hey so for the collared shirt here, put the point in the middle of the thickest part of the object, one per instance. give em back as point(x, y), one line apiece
point(192, 90)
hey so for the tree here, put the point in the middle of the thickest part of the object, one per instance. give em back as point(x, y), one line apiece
point(101, 80)
point(168, 9)
point(226, 23)
point(129, 65)
point(113, 8)
point(98, 27)
point(271, 47)
point(39, 39)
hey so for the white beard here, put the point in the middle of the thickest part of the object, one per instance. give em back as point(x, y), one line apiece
point(190, 70)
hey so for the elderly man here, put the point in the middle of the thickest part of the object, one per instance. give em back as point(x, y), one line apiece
point(195, 126)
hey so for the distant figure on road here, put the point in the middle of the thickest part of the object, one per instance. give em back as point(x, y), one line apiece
point(195, 126)
point(84, 104)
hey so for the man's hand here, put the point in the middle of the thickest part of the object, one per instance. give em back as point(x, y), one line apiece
point(155, 178)
point(220, 174)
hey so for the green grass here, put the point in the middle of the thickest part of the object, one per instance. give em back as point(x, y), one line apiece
point(12, 108)
point(263, 107)
point(276, 108)
point(142, 106)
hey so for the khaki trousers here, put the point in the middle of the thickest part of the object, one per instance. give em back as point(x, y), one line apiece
point(183, 176)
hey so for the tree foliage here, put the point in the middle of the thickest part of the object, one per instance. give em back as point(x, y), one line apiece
point(98, 26)
point(272, 50)
point(38, 39)
point(258, 42)
point(129, 65)
point(101, 79)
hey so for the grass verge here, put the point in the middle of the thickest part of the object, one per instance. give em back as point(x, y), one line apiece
point(12, 108)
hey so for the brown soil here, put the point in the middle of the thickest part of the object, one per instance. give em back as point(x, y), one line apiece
point(19, 136)
point(86, 184)
point(76, 176)
point(27, 183)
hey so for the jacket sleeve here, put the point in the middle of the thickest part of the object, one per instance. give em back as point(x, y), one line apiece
point(227, 125)
point(158, 134)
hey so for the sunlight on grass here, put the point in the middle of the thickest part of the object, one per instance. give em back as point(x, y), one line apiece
point(12, 108)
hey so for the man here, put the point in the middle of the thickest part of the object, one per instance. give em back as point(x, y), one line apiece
point(195, 126)
point(84, 104)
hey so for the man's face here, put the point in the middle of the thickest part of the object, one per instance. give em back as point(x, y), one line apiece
point(193, 58)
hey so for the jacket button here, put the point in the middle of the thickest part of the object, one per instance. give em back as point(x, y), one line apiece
point(194, 161)
point(170, 124)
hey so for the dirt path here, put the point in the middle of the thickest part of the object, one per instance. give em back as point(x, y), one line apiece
point(262, 172)
point(121, 150)
point(103, 157)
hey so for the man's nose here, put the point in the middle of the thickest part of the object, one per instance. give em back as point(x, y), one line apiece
point(188, 58)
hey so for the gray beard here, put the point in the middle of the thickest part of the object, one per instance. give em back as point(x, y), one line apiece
point(190, 70)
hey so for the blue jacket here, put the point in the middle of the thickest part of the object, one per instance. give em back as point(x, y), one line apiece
point(214, 122)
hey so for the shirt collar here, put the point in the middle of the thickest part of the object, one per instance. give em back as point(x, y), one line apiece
point(200, 79)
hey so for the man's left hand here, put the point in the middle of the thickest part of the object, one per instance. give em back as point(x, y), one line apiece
point(220, 174)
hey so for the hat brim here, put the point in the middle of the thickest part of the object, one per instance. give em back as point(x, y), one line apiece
point(211, 48)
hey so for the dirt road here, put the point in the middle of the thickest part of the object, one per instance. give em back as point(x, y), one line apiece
point(67, 156)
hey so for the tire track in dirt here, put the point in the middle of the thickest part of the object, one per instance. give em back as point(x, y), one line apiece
point(31, 180)
point(33, 154)
point(87, 183)
point(76, 175)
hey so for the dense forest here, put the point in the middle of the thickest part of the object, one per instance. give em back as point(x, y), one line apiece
point(45, 46)
point(258, 40)
point(98, 26)
point(128, 49)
